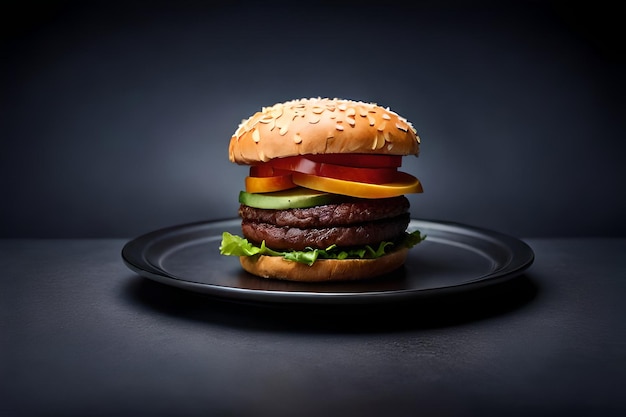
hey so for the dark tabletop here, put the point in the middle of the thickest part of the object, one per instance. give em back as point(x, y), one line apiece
point(82, 335)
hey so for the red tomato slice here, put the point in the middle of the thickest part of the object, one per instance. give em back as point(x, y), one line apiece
point(266, 170)
point(368, 175)
point(359, 160)
point(269, 184)
point(305, 165)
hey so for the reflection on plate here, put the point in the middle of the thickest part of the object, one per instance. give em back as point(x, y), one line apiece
point(453, 258)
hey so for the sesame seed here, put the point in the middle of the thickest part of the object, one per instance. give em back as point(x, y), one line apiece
point(380, 140)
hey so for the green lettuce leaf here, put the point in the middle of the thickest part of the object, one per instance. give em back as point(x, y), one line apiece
point(233, 245)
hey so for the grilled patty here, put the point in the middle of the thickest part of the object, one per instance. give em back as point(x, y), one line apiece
point(355, 223)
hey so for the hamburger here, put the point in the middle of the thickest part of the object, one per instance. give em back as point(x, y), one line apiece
point(324, 199)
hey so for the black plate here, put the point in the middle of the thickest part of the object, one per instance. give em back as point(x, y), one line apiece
point(452, 259)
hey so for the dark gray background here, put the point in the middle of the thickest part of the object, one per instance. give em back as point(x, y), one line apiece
point(115, 116)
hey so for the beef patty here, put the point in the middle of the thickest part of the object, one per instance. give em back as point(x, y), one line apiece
point(354, 223)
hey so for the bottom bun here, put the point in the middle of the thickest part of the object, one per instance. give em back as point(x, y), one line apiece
point(277, 267)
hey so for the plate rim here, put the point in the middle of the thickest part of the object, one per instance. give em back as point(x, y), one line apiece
point(522, 257)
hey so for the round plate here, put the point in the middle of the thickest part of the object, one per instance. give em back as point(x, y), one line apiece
point(452, 259)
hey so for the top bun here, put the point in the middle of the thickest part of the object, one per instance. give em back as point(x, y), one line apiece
point(321, 126)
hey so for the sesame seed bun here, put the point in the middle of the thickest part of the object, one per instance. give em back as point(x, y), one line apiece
point(321, 126)
point(323, 270)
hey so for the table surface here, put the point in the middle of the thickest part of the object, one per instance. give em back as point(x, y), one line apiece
point(83, 335)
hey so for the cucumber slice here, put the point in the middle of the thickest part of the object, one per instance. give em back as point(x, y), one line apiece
point(293, 198)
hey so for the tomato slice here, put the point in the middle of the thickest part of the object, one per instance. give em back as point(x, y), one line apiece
point(269, 184)
point(403, 184)
point(359, 160)
point(305, 165)
point(368, 175)
point(267, 170)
